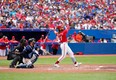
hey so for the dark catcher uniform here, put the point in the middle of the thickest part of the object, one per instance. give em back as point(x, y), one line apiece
point(15, 54)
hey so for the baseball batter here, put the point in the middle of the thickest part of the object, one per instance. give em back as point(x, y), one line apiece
point(62, 32)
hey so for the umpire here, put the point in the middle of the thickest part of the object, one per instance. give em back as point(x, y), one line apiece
point(15, 54)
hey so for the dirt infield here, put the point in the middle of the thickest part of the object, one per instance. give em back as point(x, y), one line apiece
point(63, 68)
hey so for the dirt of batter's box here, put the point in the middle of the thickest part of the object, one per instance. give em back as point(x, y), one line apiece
point(64, 68)
point(114, 68)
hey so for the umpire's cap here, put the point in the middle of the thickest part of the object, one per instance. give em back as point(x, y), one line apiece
point(31, 40)
point(23, 41)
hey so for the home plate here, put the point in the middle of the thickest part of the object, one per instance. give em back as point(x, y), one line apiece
point(50, 69)
point(98, 67)
point(101, 66)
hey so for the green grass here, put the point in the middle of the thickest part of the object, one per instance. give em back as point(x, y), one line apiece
point(67, 60)
point(63, 76)
point(83, 59)
point(57, 76)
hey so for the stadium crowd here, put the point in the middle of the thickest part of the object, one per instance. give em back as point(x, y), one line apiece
point(79, 14)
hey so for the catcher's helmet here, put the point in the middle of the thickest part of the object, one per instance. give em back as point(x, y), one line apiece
point(31, 40)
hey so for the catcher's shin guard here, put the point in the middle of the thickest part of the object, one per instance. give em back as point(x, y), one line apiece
point(25, 66)
point(22, 66)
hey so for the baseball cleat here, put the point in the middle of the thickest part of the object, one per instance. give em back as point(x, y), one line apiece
point(77, 64)
point(11, 66)
point(56, 65)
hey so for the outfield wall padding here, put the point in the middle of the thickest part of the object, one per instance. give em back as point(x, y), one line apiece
point(90, 48)
point(94, 48)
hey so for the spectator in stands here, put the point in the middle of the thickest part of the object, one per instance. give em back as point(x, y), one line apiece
point(49, 12)
point(102, 40)
point(2, 25)
point(114, 23)
point(79, 37)
point(113, 39)
point(10, 24)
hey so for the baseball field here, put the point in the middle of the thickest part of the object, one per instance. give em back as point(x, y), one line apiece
point(94, 67)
